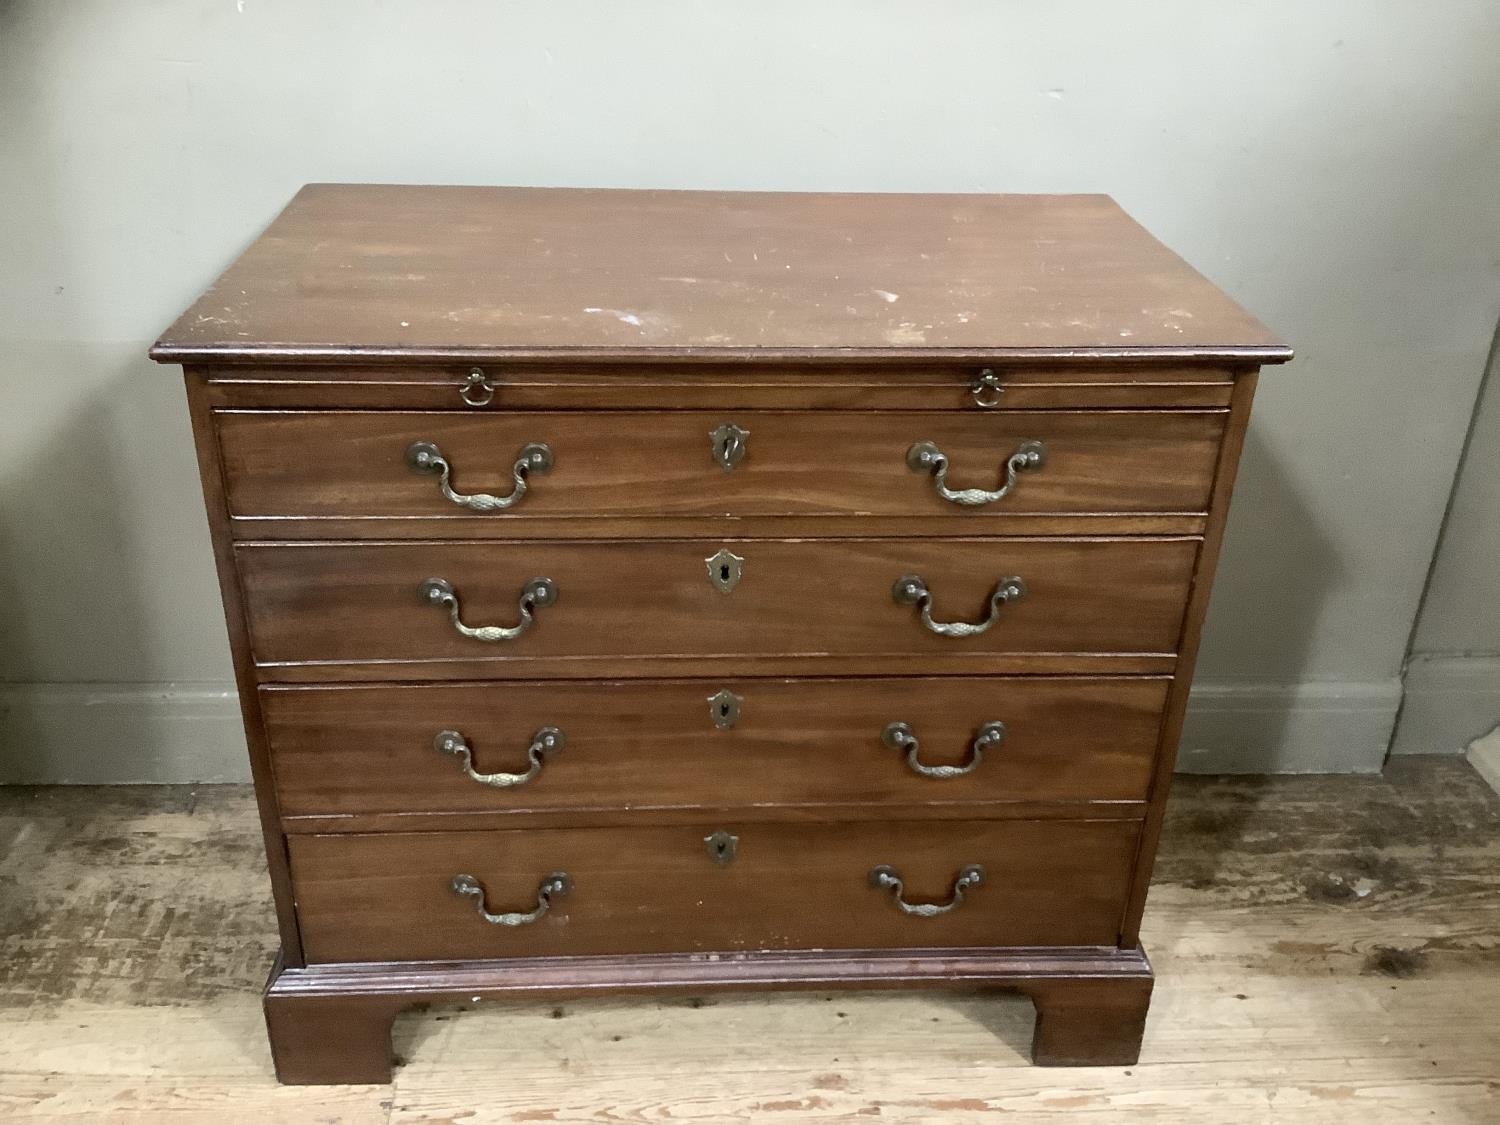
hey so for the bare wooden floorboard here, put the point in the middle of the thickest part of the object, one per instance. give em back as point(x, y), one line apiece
point(1327, 949)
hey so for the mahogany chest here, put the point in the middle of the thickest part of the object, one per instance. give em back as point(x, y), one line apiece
point(692, 590)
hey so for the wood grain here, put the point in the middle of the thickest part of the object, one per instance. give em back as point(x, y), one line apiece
point(383, 271)
point(333, 1023)
point(621, 327)
point(1192, 631)
point(476, 526)
point(211, 478)
point(651, 745)
point(348, 603)
point(386, 897)
point(350, 464)
point(1327, 951)
point(540, 385)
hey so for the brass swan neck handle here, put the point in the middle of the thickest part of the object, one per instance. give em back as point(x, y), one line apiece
point(553, 886)
point(926, 457)
point(899, 736)
point(888, 878)
point(547, 740)
point(535, 457)
point(911, 589)
point(535, 594)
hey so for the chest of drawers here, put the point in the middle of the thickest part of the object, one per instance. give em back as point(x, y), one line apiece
point(684, 590)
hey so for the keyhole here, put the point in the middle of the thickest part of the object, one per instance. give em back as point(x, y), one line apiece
point(723, 709)
point(721, 846)
point(723, 572)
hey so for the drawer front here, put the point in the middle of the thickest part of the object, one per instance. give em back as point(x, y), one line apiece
point(658, 890)
point(650, 744)
point(512, 386)
point(354, 465)
point(361, 602)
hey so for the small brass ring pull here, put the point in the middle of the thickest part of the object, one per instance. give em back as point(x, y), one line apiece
point(553, 886)
point(548, 740)
point(535, 594)
point(987, 389)
point(426, 457)
point(926, 457)
point(888, 878)
point(899, 736)
point(477, 389)
point(912, 589)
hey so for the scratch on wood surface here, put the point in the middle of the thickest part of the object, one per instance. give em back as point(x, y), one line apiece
point(619, 314)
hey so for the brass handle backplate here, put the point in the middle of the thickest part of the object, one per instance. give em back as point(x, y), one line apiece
point(888, 878)
point(425, 457)
point(535, 594)
point(926, 457)
point(911, 589)
point(548, 740)
point(899, 736)
point(553, 886)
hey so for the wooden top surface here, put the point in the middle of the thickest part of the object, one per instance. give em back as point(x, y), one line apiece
point(366, 271)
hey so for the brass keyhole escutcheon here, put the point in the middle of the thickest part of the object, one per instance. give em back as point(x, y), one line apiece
point(727, 443)
point(724, 569)
point(721, 846)
point(724, 708)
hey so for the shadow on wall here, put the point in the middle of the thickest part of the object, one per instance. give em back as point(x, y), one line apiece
point(106, 586)
point(113, 663)
point(69, 607)
point(1276, 571)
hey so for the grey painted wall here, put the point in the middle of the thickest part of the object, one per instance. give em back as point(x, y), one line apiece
point(1462, 609)
point(1332, 165)
point(1453, 678)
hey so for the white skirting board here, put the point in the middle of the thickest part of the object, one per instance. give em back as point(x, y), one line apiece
point(103, 734)
point(115, 734)
point(1484, 756)
point(1313, 727)
point(1450, 701)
